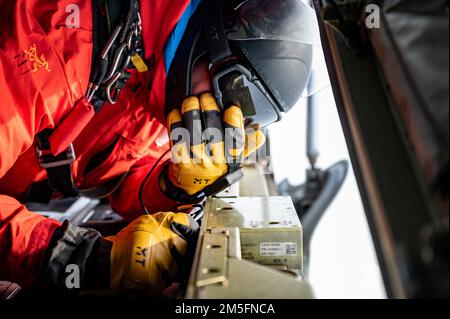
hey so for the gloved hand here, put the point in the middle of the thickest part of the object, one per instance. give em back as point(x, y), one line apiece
point(147, 255)
point(210, 157)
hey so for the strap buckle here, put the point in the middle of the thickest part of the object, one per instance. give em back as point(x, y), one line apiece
point(48, 160)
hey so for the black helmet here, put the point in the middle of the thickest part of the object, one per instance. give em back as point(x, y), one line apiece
point(259, 54)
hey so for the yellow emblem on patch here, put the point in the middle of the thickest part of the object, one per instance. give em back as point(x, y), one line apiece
point(38, 62)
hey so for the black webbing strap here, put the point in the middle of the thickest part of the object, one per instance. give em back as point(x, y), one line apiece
point(213, 25)
point(106, 14)
point(59, 168)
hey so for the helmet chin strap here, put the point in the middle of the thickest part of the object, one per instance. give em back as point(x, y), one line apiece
point(214, 31)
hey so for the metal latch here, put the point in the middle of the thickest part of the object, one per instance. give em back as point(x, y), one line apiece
point(48, 160)
point(219, 244)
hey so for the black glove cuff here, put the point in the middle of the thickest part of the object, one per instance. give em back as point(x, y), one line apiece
point(82, 247)
point(98, 266)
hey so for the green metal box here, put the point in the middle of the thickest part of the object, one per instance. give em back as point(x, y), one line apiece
point(270, 230)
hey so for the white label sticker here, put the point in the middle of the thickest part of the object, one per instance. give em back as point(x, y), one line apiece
point(277, 249)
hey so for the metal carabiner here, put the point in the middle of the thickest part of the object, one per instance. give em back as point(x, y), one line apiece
point(113, 97)
point(130, 40)
point(139, 24)
point(116, 62)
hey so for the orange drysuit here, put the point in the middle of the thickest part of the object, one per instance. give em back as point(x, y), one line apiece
point(44, 70)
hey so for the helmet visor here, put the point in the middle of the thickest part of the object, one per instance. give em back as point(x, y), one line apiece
point(286, 20)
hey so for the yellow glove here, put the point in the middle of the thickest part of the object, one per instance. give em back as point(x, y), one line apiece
point(145, 256)
point(209, 155)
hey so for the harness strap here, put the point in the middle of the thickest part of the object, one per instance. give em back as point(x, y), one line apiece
point(214, 31)
point(59, 168)
point(55, 150)
point(71, 126)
